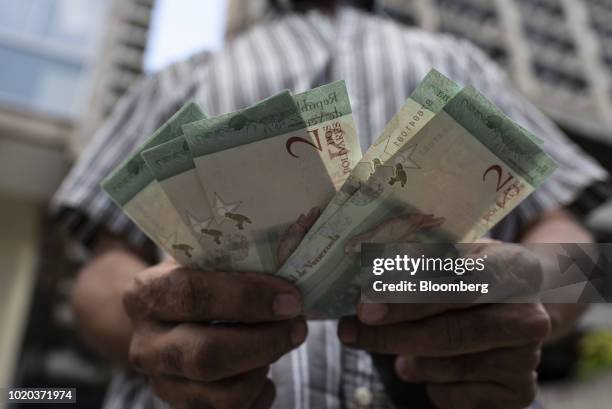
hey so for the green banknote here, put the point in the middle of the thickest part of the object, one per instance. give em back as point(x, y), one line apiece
point(133, 187)
point(263, 167)
point(466, 169)
point(174, 169)
point(172, 165)
point(229, 246)
point(430, 96)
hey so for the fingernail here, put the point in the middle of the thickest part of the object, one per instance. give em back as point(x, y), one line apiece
point(298, 332)
point(371, 313)
point(347, 331)
point(287, 305)
point(402, 366)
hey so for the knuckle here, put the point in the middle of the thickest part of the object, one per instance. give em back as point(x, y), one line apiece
point(132, 301)
point(137, 298)
point(251, 300)
point(526, 322)
point(179, 290)
point(190, 298)
point(538, 323)
point(136, 356)
point(172, 358)
point(453, 338)
point(194, 294)
point(208, 356)
point(533, 357)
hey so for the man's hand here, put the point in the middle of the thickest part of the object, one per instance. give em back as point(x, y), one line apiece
point(187, 340)
point(471, 356)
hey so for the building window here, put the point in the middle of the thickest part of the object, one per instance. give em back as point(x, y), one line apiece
point(47, 49)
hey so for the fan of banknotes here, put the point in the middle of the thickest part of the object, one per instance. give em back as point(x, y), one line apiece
point(222, 193)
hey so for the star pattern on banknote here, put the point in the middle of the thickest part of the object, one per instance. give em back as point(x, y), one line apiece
point(406, 158)
point(170, 240)
point(222, 208)
point(198, 225)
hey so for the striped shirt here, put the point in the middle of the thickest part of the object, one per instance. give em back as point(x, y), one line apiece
point(382, 62)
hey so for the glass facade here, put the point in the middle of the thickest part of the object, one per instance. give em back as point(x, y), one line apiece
point(46, 51)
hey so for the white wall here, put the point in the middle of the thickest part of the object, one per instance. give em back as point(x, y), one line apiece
point(31, 171)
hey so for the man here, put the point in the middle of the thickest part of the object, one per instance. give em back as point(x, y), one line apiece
point(153, 321)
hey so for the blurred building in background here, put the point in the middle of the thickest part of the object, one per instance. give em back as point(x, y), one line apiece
point(64, 65)
point(119, 63)
point(558, 52)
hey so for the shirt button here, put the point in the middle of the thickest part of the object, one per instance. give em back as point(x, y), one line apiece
point(363, 397)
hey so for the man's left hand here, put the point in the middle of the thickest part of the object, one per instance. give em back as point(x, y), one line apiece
point(471, 356)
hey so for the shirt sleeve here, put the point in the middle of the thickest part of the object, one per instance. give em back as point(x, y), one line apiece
point(80, 205)
point(577, 172)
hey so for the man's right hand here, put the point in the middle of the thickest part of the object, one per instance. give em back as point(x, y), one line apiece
point(187, 339)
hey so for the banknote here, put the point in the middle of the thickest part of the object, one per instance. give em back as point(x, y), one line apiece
point(254, 123)
point(263, 169)
point(427, 99)
point(466, 169)
point(172, 165)
point(226, 247)
point(219, 192)
point(133, 188)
